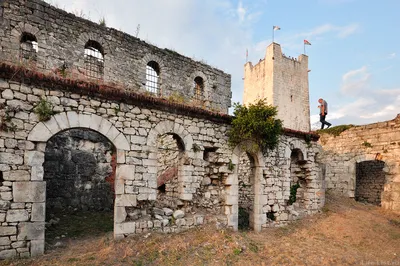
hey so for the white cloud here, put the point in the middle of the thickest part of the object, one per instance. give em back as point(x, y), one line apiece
point(355, 81)
point(241, 11)
point(392, 55)
point(339, 31)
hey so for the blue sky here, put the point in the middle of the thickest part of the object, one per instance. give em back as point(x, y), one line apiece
point(354, 56)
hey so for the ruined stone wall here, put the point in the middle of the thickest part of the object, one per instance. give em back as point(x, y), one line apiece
point(78, 171)
point(283, 81)
point(208, 176)
point(61, 38)
point(370, 179)
point(378, 141)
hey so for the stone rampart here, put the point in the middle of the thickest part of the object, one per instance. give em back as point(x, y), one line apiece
point(378, 141)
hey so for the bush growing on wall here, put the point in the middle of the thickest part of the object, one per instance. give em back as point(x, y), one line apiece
point(256, 122)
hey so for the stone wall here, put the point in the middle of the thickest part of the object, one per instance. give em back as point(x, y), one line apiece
point(207, 183)
point(60, 41)
point(378, 141)
point(283, 82)
point(78, 171)
point(370, 180)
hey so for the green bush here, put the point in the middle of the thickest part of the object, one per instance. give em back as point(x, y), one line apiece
point(335, 131)
point(44, 110)
point(256, 123)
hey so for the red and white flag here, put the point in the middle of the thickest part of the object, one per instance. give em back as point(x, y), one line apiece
point(306, 42)
point(277, 28)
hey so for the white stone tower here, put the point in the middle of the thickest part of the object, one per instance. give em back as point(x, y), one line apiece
point(283, 81)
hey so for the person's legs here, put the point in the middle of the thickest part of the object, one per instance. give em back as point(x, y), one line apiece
point(327, 123)
point(322, 120)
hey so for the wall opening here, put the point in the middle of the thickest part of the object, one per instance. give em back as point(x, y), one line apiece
point(152, 77)
point(246, 172)
point(94, 60)
point(198, 89)
point(298, 183)
point(370, 180)
point(28, 47)
point(79, 171)
point(169, 160)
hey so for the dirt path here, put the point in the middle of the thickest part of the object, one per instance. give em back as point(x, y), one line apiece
point(345, 233)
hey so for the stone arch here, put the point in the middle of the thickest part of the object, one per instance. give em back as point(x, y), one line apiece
point(296, 144)
point(24, 27)
point(207, 86)
point(163, 70)
point(232, 182)
point(169, 127)
point(43, 131)
point(86, 36)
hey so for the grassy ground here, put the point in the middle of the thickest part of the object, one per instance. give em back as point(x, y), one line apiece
point(345, 233)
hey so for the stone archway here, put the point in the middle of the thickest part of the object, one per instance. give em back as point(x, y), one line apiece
point(35, 190)
point(232, 187)
point(370, 181)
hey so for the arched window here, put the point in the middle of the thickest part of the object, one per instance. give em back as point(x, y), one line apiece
point(152, 77)
point(198, 88)
point(94, 60)
point(28, 47)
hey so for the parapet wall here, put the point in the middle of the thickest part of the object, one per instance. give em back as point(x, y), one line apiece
point(378, 141)
point(61, 40)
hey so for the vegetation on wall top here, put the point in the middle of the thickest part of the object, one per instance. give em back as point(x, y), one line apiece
point(335, 131)
point(256, 122)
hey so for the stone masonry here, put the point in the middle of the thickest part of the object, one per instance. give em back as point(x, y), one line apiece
point(206, 184)
point(61, 39)
point(378, 141)
point(283, 82)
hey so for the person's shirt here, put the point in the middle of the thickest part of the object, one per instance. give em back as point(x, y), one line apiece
point(325, 105)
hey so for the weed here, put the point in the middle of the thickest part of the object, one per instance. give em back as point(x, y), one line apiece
point(196, 147)
point(44, 110)
point(253, 247)
point(237, 251)
point(231, 165)
point(367, 144)
point(73, 259)
point(293, 192)
point(102, 21)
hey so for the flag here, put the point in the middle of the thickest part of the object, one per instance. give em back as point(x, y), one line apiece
point(307, 42)
point(277, 28)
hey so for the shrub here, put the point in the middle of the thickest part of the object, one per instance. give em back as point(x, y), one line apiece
point(44, 110)
point(256, 123)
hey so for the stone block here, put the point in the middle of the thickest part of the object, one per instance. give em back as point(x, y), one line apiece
point(5, 240)
point(112, 133)
point(128, 200)
point(29, 191)
point(17, 175)
point(126, 172)
point(10, 158)
point(95, 122)
point(52, 125)
point(34, 158)
point(31, 231)
point(40, 133)
point(73, 119)
point(62, 120)
point(119, 214)
point(37, 247)
point(119, 186)
point(17, 216)
point(125, 228)
point(8, 230)
point(38, 212)
point(37, 173)
point(8, 254)
point(121, 142)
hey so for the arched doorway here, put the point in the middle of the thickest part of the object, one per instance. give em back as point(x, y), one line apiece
point(79, 170)
point(298, 181)
point(246, 175)
point(370, 180)
point(246, 171)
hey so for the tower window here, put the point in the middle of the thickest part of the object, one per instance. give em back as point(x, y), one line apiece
point(28, 47)
point(94, 60)
point(152, 77)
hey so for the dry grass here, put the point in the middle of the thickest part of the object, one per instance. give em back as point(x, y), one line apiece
point(346, 233)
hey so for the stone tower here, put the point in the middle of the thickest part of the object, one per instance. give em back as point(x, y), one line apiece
point(283, 81)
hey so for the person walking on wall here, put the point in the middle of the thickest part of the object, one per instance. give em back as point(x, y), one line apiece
point(323, 111)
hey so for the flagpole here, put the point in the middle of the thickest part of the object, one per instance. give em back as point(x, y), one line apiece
point(273, 30)
point(304, 48)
